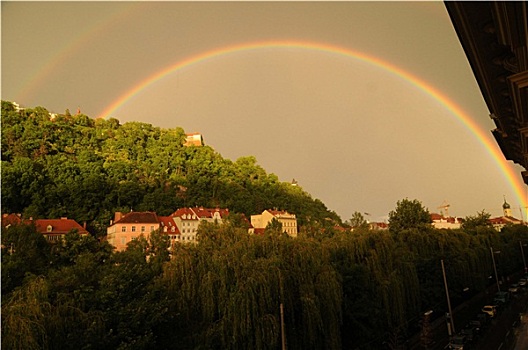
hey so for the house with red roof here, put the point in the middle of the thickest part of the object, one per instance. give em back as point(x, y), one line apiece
point(11, 219)
point(55, 229)
point(52, 229)
point(169, 227)
point(126, 227)
point(288, 221)
point(188, 219)
point(506, 219)
point(448, 222)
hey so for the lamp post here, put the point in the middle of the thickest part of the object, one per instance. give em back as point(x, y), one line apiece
point(495, 268)
point(524, 259)
point(449, 318)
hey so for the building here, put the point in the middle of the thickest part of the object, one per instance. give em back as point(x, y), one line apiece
point(440, 221)
point(288, 221)
point(168, 227)
point(506, 218)
point(181, 226)
point(187, 220)
point(11, 219)
point(126, 227)
point(193, 139)
point(494, 37)
point(52, 229)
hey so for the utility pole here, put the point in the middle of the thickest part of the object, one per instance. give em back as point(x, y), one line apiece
point(524, 259)
point(450, 321)
point(283, 333)
point(283, 327)
point(495, 268)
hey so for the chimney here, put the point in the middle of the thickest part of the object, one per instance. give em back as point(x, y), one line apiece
point(64, 218)
point(84, 225)
point(118, 216)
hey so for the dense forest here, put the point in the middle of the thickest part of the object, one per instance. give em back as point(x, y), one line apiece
point(365, 289)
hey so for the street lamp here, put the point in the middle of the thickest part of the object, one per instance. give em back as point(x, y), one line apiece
point(495, 266)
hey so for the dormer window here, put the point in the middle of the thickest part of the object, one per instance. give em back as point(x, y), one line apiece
point(49, 228)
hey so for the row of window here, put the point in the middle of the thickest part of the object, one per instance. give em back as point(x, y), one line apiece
point(183, 238)
point(289, 223)
point(143, 228)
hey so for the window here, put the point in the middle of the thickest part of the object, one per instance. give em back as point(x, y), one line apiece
point(49, 228)
point(123, 240)
point(142, 228)
point(151, 228)
point(133, 228)
point(123, 228)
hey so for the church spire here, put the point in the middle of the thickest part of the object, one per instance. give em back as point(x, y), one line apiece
point(506, 208)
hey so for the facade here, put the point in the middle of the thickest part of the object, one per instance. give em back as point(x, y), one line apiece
point(168, 227)
point(181, 226)
point(187, 220)
point(55, 229)
point(126, 227)
point(449, 222)
point(506, 219)
point(288, 221)
point(494, 36)
point(52, 229)
point(193, 139)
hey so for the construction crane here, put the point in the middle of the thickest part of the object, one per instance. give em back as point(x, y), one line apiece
point(444, 207)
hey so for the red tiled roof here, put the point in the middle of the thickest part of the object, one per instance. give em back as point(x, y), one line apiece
point(58, 226)
point(11, 219)
point(201, 212)
point(134, 217)
point(180, 212)
point(208, 213)
point(168, 221)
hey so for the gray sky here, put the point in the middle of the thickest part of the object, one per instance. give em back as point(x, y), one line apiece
point(352, 134)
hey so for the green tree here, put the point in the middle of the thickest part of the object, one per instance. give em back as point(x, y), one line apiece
point(473, 223)
point(25, 252)
point(357, 221)
point(409, 214)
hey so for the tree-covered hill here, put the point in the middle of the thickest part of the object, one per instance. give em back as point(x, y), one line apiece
point(56, 165)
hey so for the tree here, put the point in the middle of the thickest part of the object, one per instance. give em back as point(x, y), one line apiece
point(274, 226)
point(409, 214)
point(24, 252)
point(472, 223)
point(357, 221)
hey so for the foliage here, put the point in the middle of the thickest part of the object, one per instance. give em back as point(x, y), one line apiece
point(85, 169)
point(409, 214)
point(478, 222)
point(357, 221)
point(338, 290)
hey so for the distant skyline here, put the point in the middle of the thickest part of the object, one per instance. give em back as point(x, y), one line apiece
point(365, 104)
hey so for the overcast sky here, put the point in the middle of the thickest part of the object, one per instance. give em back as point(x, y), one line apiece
point(353, 134)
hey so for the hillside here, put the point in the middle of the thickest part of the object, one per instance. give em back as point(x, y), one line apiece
point(56, 165)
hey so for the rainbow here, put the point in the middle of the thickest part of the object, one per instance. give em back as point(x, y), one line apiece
point(483, 137)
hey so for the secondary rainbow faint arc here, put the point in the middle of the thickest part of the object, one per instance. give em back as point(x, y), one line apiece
point(486, 141)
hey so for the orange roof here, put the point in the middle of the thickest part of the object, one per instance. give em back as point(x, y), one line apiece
point(11, 219)
point(135, 217)
point(58, 226)
point(168, 221)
